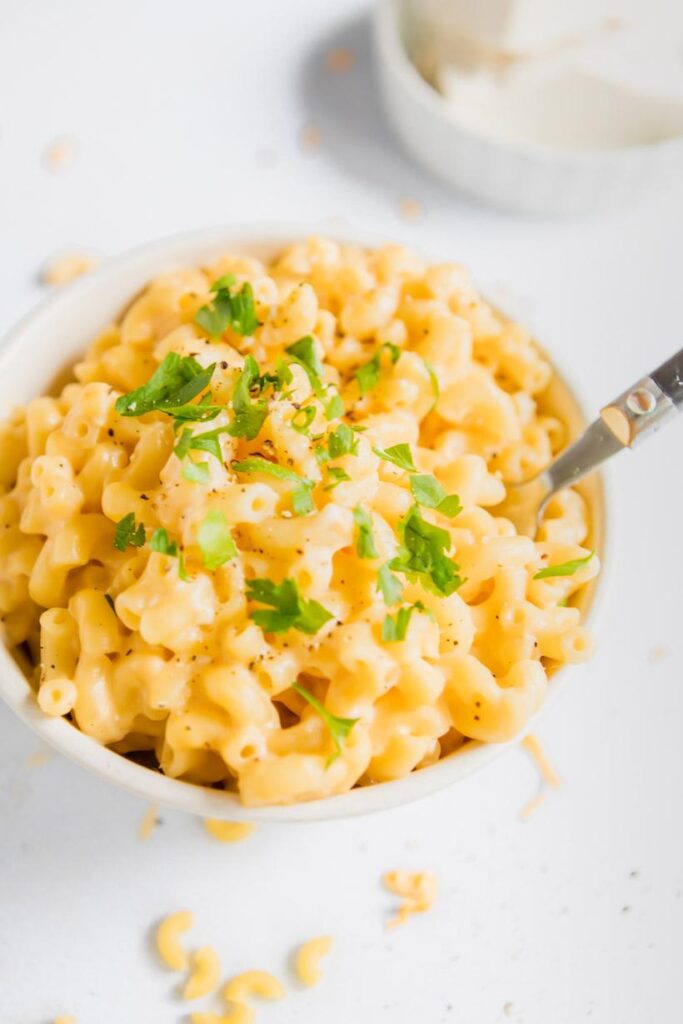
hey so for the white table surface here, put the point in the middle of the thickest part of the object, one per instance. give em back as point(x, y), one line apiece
point(185, 115)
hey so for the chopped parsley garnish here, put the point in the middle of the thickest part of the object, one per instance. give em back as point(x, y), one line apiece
point(162, 543)
point(365, 542)
point(338, 728)
point(342, 441)
point(338, 476)
point(395, 627)
point(302, 419)
point(228, 309)
point(196, 472)
point(282, 376)
point(302, 501)
point(434, 382)
point(289, 609)
point(249, 415)
point(428, 491)
point(182, 572)
point(334, 408)
point(170, 389)
point(399, 454)
point(423, 555)
point(564, 569)
point(205, 442)
point(215, 540)
point(389, 585)
point(304, 353)
point(368, 374)
point(129, 533)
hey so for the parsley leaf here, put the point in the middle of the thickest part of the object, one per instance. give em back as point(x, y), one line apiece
point(395, 628)
point(249, 415)
point(302, 501)
point(305, 354)
point(162, 543)
point(428, 491)
point(565, 569)
point(389, 585)
point(338, 475)
point(368, 374)
point(302, 419)
point(290, 610)
point(127, 532)
point(282, 375)
point(342, 441)
point(365, 544)
point(399, 454)
point(228, 309)
point(338, 728)
point(423, 555)
point(434, 382)
point(334, 408)
point(205, 442)
point(182, 571)
point(196, 472)
point(170, 389)
point(215, 540)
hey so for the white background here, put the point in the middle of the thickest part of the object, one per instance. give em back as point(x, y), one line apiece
point(185, 115)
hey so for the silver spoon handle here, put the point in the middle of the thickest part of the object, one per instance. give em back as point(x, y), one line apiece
point(629, 419)
point(596, 444)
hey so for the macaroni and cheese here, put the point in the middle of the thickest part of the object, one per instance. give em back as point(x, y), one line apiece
point(255, 536)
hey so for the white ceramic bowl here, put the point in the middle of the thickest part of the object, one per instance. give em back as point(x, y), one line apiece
point(52, 338)
point(514, 175)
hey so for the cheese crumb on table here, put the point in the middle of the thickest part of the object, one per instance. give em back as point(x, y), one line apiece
point(409, 208)
point(149, 822)
point(62, 269)
point(228, 831)
point(340, 60)
point(60, 153)
point(310, 137)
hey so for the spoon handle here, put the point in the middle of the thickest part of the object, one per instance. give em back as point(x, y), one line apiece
point(649, 403)
point(669, 377)
point(630, 418)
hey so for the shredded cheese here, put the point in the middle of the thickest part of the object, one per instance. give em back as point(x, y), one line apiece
point(548, 775)
point(418, 890)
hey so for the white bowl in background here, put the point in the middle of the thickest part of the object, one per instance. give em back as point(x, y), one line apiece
point(515, 175)
point(52, 338)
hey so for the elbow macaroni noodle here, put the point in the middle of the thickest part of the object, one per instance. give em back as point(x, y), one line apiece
point(168, 939)
point(158, 647)
point(205, 973)
point(308, 957)
point(250, 984)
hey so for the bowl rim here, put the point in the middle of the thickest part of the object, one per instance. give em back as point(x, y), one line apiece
point(184, 249)
point(390, 45)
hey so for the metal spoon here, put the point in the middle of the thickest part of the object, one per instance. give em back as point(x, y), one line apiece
point(626, 421)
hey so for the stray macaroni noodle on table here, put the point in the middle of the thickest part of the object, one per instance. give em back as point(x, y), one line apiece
point(253, 537)
point(308, 957)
